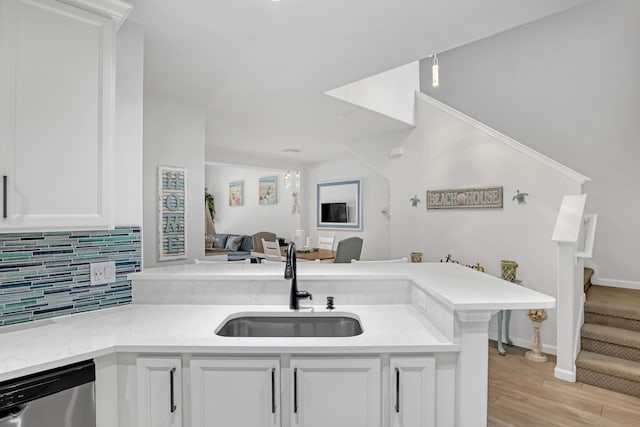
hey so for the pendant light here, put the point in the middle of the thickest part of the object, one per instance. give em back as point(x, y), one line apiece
point(434, 71)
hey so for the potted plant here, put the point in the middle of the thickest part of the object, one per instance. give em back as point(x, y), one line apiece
point(210, 211)
point(210, 203)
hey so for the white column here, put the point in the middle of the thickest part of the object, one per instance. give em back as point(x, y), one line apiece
point(106, 389)
point(473, 368)
point(569, 300)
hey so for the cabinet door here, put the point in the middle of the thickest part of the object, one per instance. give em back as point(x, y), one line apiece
point(335, 392)
point(56, 115)
point(412, 392)
point(159, 392)
point(235, 392)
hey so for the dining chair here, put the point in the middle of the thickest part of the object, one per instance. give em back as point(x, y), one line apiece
point(271, 251)
point(262, 235)
point(381, 261)
point(348, 249)
point(326, 242)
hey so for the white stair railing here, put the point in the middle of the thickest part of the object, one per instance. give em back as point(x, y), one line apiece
point(575, 235)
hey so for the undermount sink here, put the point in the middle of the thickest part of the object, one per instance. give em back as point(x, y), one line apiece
point(283, 325)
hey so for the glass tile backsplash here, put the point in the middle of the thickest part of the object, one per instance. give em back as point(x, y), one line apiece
point(47, 274)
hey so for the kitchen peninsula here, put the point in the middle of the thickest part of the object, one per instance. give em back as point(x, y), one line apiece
point(421, 359)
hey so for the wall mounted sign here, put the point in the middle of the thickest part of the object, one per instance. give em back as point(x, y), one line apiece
point(172, 233)
point(267, 191)
point(236, 193)
point(464, 198)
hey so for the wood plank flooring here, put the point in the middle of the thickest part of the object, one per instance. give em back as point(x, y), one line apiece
point(523, 393)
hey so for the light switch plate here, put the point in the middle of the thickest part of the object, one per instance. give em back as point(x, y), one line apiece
point(102, 272)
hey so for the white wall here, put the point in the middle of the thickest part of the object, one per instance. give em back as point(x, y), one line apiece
point(173, 136)
point(375, 196)
point(251, 217)
point(389, 93)
point(444, 152)
point(568, 87)
point(128, 131)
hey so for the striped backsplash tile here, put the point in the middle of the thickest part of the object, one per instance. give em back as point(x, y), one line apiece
point(47, 274)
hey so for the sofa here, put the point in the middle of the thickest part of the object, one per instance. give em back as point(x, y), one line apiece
point(236, 246)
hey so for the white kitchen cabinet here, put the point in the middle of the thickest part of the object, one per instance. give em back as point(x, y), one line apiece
point(413, 390)
point(57, 67)
point(336, 392)
point(235, 392)
point(159, 390)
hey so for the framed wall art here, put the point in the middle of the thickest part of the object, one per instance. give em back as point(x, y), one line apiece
point(267, 190)
point(172, 225)
point(236, 193)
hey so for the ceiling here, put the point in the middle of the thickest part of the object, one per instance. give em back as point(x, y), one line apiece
point(260, 68)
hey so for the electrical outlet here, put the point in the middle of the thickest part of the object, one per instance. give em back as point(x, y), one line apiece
point(102, 272)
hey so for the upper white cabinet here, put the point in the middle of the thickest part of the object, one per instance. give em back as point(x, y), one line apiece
point(413, 388)
point(57, 88)
point(335, 392)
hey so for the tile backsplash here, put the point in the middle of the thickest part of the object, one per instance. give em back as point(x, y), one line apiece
point(47, 274)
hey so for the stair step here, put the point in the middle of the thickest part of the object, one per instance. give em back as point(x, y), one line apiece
point(616, 342)
point(614, 322)
point(611, 335)
point(608, 372)
point(588, 274)
point(614, 302)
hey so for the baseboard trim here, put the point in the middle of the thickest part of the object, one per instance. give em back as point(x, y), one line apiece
point(588, 263)
point(614, 283)
point(526, 343)
point(564, 375)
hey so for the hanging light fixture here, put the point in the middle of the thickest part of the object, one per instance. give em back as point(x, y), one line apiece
point(297, 179)
point(434, 71)
point(287, 179)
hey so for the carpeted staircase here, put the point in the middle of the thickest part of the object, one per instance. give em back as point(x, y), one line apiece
point(610, 355)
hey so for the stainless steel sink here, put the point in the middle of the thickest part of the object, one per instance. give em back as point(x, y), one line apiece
point(291, 326)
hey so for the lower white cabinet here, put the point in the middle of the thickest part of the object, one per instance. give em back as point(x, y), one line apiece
point(413, 388)
point(159, 382)
point(235, 392)
point(336, 392)
point(318, 391)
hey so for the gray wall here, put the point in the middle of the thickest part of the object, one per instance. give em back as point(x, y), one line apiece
point(568, 87)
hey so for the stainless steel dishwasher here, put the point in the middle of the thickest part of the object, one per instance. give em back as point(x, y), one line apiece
point(62, 397)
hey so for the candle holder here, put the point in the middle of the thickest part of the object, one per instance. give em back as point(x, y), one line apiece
point(537, 317)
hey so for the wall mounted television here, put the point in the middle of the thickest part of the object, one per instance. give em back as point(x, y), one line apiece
point(334, 213)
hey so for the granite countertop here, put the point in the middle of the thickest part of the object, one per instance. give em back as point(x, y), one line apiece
point(46, 344)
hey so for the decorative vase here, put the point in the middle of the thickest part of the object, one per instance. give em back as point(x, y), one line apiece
point(508, 269)
point(416, 256)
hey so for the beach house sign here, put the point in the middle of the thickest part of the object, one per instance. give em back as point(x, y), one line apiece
point(465, 198)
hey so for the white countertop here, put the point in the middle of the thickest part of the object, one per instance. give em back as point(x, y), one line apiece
point(455, 286)
point(46, 344)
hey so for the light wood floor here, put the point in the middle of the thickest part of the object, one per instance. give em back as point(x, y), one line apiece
point(524, 393)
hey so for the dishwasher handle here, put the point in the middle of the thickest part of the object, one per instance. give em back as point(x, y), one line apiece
point(31, 387)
